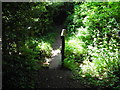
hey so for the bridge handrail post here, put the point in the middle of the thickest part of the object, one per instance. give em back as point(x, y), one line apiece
point(63, 45)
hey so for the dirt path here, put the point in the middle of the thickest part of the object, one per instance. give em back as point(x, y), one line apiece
point(52, 78)
point(55, 77)
point(56, 57)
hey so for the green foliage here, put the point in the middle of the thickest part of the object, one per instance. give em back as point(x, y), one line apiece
point(70, 63)
point(45, 49)
point(96, 26)
point(74, 46)
point(27, 40)
point(91, 45)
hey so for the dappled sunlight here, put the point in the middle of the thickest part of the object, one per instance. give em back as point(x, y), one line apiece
point(83, 37)
point(101, 65)
point(55, 52)
point(55, 60)
point(76, 46)
point(90, 68)
point(83, 34)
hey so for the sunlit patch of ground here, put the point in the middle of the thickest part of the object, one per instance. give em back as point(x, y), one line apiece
point(55, 60)
point(55, 52)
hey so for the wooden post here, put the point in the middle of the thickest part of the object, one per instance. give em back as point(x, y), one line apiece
point(63, 45)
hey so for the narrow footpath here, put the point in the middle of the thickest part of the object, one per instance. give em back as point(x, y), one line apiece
point(54, 76)
point(56, 57)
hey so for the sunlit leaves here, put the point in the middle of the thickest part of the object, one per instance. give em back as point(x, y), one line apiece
point(45, 48)
point(75, 46)
point(97, 24)
point(102, 61)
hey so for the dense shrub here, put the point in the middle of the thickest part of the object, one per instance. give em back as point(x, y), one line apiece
point(96, 24)
point(27, 40)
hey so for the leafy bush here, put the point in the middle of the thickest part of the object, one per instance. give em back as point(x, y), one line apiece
point(96, 24)
point(103, 61)
point(45, 49)
point(25, 41)
point(74, 46)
